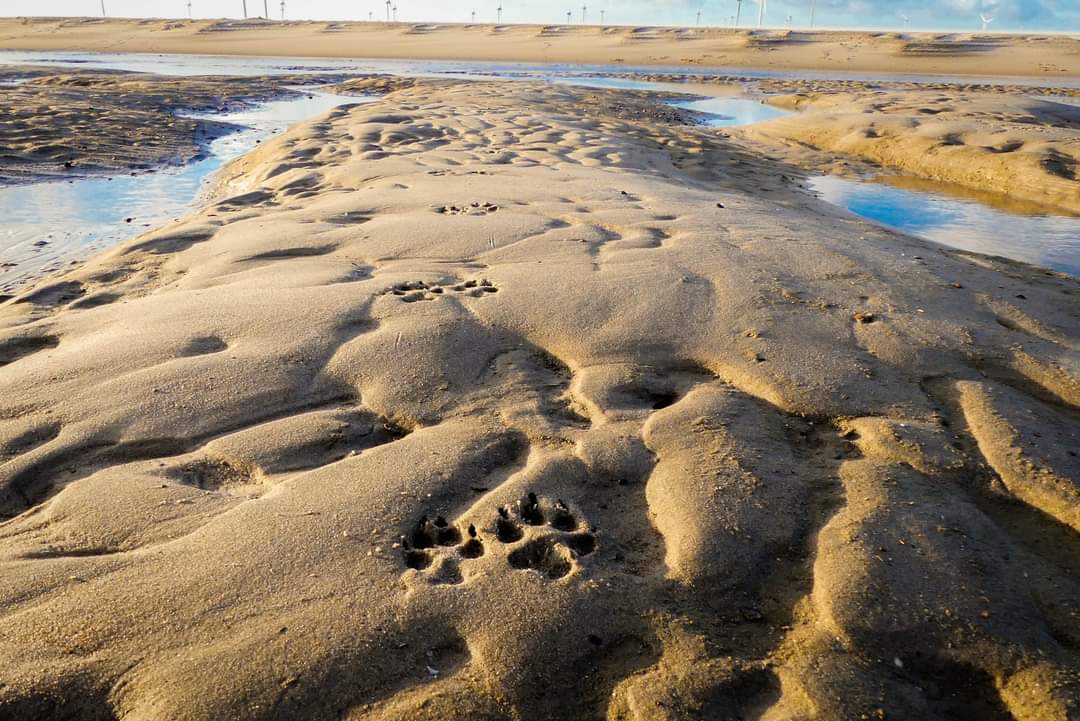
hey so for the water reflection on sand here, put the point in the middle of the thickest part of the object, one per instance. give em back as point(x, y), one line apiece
point(961, 218)
point(50, 225)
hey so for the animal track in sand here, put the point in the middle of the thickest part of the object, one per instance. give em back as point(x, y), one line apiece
point(442, 172)
point(537, 534)
point(484, 208)
point(551, 551)
point(212, 474)
point(426, 547)
point(414, 290)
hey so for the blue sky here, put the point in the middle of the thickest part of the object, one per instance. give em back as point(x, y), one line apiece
point(1056, 15)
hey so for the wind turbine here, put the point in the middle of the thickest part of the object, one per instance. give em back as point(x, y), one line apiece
point(905, 18)
point(245, 9)
point(474, 16)
point(395, 12)
point(369, 14)
point(103, 9)
point(699, 17)
point(266, 9)
point(583, 9)
point(388, 3)
point(498, 13)
point(189, 9)
point(813, 9)
point(738, 11)
point(601, 17)
point(986, 18)
point(761, 12)
point(568, 14)
point(283, 10)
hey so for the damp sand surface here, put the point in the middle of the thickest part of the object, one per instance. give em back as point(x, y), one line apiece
point(513, 400)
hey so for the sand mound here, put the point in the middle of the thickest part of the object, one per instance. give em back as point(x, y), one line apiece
point(1021, 147)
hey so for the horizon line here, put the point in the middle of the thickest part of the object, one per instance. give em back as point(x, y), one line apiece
point(704, 26)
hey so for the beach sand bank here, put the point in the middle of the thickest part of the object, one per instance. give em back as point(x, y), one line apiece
point(75, 123)
point(1021, 148)
point(1044, 56)
point(517, 401)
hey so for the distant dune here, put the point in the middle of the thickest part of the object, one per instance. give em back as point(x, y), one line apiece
point(944, 53)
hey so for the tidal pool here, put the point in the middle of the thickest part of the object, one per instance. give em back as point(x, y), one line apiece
point(962, 219)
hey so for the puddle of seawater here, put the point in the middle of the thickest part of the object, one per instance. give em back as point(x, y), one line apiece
point(47, 226)
point(1046, 240)
point(730, 111)
point(724, 111)
point(608, 83)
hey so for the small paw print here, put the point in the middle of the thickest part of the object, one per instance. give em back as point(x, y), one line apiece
point(436, 544)
point(470, 209)
point(533, 535)
point(414, 290)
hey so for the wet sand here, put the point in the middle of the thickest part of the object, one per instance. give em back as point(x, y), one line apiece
point(1002, 142)
point(518, 401)
point(1048, 56)
point(74, 123)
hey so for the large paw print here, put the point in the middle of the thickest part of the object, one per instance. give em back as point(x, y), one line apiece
point(551, 551)
point(534, 534)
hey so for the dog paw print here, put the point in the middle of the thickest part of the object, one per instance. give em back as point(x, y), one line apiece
point(543, 537)
point(441, 172)
point(475, 288)
point(436, 547)
point(470, 209)
point(533, 535)
point(414, 290)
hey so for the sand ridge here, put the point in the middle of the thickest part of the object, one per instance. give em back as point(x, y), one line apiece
point(643, 432)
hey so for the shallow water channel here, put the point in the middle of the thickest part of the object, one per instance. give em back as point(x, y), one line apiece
point(943, 214)
point(52, 224)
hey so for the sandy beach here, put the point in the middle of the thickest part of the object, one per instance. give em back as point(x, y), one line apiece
point(1036, 55)
point(512, 401)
